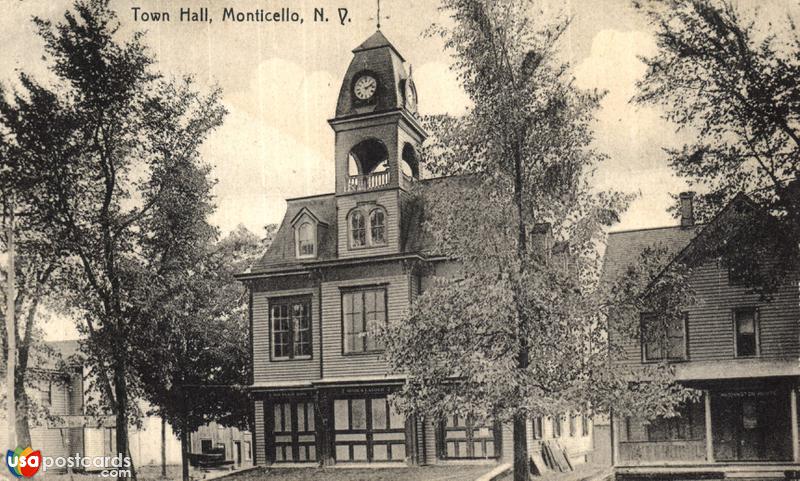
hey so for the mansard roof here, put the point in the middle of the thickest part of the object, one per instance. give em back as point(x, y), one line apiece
point(281, 254)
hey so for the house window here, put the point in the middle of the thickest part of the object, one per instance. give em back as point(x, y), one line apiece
point(746, 323)
point(367, 227)
point(537, 427)
point(663, 342)
point(291, 328)
point(377, 220)
point(362, 311)
point(306, 243)
point(572, 429)
point(557, 427)
point(584, 425)
point(206, 446)
point(688, 425)
point(358, 229)
point(46, 395)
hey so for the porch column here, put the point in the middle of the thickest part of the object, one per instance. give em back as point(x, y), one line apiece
point(614, 440)
point(795, 440)
point(709, 431)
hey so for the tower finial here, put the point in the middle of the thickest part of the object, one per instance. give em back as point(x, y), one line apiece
point(378, 16)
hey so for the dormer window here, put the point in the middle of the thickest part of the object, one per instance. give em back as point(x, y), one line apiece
point(306, 234)
point(306, 244)
point(367, 226)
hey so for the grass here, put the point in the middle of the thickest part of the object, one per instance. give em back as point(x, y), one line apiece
point(582, 471)
point(422, 473)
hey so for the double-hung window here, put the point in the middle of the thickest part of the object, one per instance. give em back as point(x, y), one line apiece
point(663, 342)
point(290, 320)
point(362, 311)
point(745, 321)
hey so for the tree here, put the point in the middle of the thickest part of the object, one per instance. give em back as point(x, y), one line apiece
point(37, 263)
point(517, 332)
point(100, 148)
point(733, 83)
point(192, 343)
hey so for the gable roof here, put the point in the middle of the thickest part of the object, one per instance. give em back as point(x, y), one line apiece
point(624, 247)
point(686, 244)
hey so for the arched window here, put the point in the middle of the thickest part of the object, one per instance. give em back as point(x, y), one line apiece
point(358, 229)
point(377, 223)
point(306, 244)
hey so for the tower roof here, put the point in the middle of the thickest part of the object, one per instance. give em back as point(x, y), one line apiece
point(377, 40)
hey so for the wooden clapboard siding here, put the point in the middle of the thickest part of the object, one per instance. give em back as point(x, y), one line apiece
point(259, 450)
point(389, 200)
point(430, 442)
point(507, 443)
point(710, 324)
point(337, 364)
point(265, 370)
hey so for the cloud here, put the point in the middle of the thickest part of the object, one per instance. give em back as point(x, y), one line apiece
point(633, 136)
point(275, 144)
point(439, 90)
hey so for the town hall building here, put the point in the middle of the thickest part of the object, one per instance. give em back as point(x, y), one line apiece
point(342, 263)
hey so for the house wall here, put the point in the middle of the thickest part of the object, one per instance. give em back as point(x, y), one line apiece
point(338, 364)
point(227, 437)
point(710, 332)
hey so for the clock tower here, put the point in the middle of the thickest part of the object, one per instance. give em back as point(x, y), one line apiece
point(378, 136)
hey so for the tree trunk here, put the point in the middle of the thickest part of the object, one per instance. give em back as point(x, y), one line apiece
point(184, 454)
point(521, 466)
point(121, 394)
point(163, 447)
point(11, 336)
point(23, 427)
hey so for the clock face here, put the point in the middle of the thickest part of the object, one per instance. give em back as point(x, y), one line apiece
point(411, 96)
point(365, 87)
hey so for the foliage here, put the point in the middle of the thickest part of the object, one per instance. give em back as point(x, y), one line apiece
point(517, 331)
point(103, 149)
point(717, 74)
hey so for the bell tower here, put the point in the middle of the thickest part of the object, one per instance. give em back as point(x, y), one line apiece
point(378, 133)
point(378, 136)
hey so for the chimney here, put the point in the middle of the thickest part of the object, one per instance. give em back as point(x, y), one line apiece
point(687, 209)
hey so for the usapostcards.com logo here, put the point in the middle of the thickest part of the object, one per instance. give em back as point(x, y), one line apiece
point(23, 462)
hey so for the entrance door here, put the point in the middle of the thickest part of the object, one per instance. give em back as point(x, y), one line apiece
point(367, 430)
point(751, 425)
point(237, 447)
point(294, 438)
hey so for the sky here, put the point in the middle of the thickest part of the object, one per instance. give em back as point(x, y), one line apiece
point(280, 83)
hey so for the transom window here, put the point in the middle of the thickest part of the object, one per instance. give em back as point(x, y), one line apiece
point(746, 325)
point(367, 227)
point(291, 328)
point(362, 311)
point(663, 342)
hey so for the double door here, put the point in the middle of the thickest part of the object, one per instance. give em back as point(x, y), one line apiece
point(751, 425)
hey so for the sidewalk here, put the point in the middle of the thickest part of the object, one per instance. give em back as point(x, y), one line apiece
point(583, 472)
